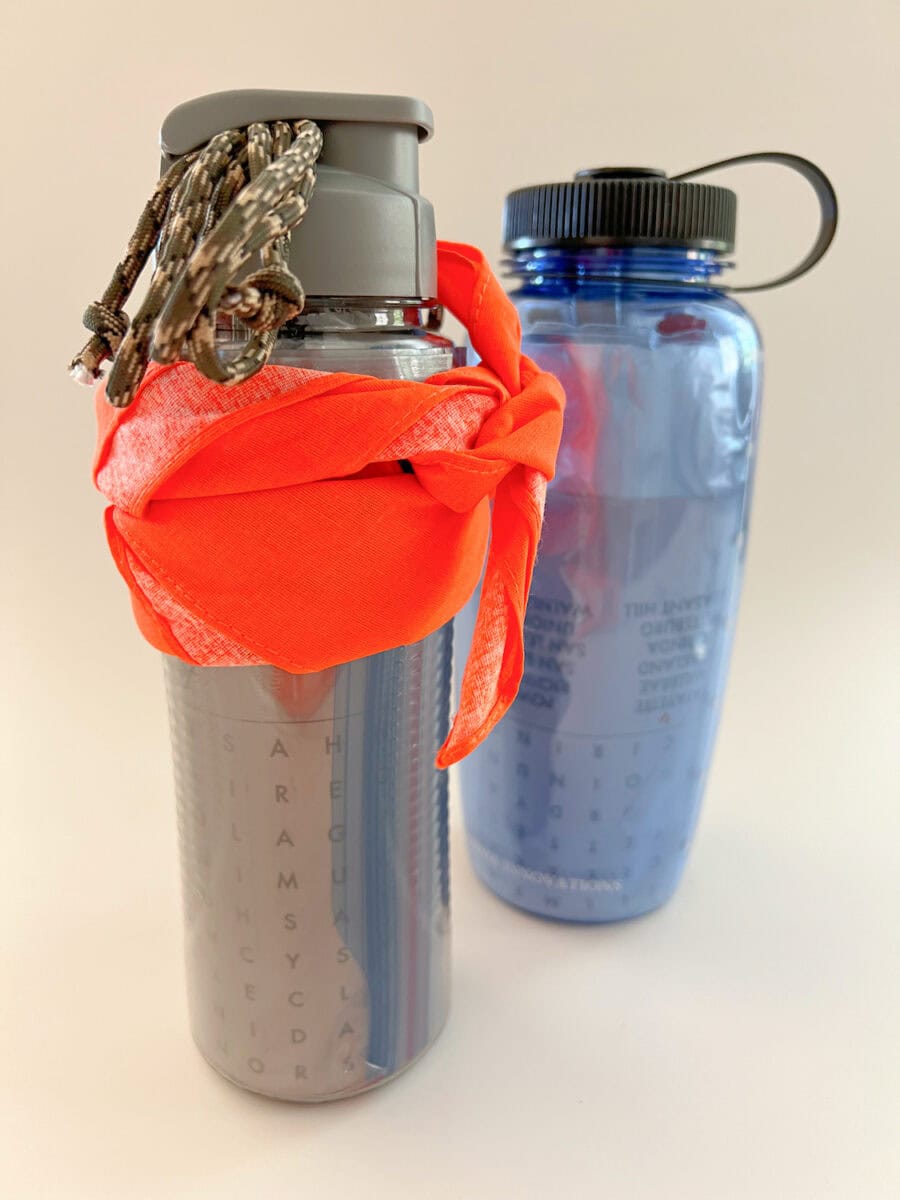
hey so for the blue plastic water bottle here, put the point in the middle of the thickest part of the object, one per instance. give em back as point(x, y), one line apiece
point(583, 803)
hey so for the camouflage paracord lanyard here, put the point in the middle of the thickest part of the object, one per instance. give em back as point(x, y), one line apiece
point(211, 212)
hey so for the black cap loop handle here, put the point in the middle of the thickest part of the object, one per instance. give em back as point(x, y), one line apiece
point(825, 194)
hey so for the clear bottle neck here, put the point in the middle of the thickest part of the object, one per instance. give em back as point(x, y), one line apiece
point(388, 338)
point(348, 315)
point(553, 267)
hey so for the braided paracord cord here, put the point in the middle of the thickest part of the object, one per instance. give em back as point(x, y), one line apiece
point(210, 213)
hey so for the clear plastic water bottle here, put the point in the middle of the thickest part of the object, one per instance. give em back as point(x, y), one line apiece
point(583, 804)
point(313, 823)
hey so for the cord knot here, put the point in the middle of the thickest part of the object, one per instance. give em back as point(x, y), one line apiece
point(265, 299)
point(106, 323)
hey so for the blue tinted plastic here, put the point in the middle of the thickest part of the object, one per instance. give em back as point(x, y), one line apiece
point(583, 803)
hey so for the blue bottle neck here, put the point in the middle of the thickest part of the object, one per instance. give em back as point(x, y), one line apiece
point(554, 268)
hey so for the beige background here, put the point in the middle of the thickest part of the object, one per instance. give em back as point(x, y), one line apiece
point(742, 1043)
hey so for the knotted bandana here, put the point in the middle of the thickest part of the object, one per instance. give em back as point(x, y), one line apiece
point(271, 521)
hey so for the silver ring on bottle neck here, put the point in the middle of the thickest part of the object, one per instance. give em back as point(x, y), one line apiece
point(346, 314)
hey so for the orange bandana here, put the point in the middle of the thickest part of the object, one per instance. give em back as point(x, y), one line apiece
point(271, 521)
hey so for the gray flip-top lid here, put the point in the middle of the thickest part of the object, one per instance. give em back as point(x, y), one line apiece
point(368, 231)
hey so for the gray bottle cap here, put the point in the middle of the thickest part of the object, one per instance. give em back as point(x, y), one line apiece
point(368, 231)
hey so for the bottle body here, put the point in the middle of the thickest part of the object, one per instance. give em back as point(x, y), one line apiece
point(313, 826)
point(584, 803)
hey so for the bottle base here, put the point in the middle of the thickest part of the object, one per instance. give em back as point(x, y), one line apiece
point(290, 1095)
point(572, 899)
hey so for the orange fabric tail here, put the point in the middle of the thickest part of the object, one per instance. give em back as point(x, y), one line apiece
point(271, 521)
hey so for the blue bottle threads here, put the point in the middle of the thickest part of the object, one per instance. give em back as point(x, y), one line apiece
point(583, 804)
